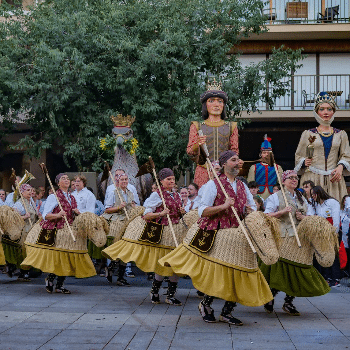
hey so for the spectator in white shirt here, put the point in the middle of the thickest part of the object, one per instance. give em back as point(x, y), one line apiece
point(345, 228)
point(329, 208)
point(86, 200)
point(111, 188)
point(184, 196)
point(192, 202)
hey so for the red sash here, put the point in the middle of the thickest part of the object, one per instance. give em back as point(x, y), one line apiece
point(66, 206)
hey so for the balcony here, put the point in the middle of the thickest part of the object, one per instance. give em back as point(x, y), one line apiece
point(304, 89)
point(303, 12)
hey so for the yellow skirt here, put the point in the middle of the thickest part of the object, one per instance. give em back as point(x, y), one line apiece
point(144, 255)
point(2, 255)
point(59, 261)
point(245, 286)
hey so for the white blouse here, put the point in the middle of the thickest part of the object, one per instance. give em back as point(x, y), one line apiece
point(330, 208)
point(209, 194)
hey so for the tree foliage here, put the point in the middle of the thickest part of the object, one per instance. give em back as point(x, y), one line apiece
point(68, 65)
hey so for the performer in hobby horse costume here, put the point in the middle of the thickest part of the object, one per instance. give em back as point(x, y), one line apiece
point(216, 254)
point(50, 245)
point(148, 239)
point(219, 134)
point(262, 173)
point(294, 272)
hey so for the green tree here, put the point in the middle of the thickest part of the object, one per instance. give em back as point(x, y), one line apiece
point(67, 65)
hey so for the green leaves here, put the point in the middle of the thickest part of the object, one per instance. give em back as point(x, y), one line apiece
point(69, 64)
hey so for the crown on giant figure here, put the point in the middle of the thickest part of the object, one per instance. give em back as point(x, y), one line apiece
point(266, 145)
point(324, 97)
point(214, 85)
point(214, 89)
point(120, 120)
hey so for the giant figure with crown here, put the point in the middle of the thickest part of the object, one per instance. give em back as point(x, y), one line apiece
point(219, 135)
point(323, 154)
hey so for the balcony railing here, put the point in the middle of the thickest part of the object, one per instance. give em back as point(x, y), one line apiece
point(312, 11)
point(304, 88)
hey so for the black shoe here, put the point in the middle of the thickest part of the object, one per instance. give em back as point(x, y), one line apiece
point(155, 299)
point(62, 290)
point(269, 306)
point(173, 301)
point(150, 276)
point(10, 271)
point(123, 282)
point(207, 313)
point(290, 309)
point(49, 285)
point(166, 279)
point(228, 318)
point(200, 294)
point(109, 274)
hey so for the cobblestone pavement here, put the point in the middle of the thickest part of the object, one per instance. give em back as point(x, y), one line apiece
point(101, 316)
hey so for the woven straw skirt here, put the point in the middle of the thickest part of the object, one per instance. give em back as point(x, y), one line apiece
point(144, 254)
point(219, 279)
point(295, 279)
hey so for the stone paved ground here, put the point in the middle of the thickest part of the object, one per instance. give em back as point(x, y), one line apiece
point(101, 316)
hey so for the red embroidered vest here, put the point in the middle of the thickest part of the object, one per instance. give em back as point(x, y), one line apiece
point(225, 218)
point(173, 204)
point(66, 206)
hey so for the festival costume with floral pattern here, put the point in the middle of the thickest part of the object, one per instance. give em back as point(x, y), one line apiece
point(62, 256)
point(15, 251)
point(228, 269)
point(294, 272)
point(144, 253)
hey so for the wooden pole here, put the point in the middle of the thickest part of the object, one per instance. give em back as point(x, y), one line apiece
point(165, 207)
point(286, 202)
point(43, 168)
point(119, 195)
point(204, 146)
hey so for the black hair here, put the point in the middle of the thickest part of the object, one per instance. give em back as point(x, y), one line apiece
point(252, 184)
point(300, 196)
point(205, 114)
point(277, 185)
point(321, 195)
point(194, 185)
point(260, 201)
point(90, 189)
point(312, 184)
point(243, 179)
point(342, 203)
